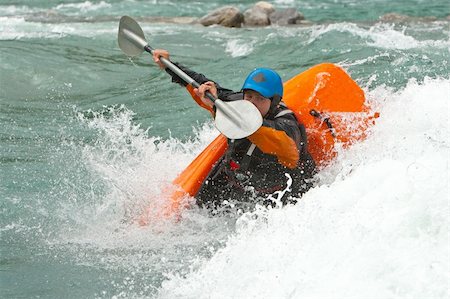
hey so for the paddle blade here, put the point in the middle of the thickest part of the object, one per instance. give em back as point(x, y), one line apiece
point(237, 119)
point(131, 38)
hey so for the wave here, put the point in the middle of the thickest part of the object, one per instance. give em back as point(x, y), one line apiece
point(17, 28)
point(385, 36)
point(377, 227)
point(14, 10)
point(101, 191)
point(83, 6)
point(237, 48)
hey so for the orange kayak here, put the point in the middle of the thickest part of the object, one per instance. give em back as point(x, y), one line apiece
point(328, 102)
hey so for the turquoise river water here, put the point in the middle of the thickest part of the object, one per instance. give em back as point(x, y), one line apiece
point(88, 137)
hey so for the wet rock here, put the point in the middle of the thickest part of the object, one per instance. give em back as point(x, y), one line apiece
point(288, 16)
point(264, 6)
point(399, 18)
point(394, 17)
point(258, 15)
point(254, 17)
point(170, 20)
point(228, 16)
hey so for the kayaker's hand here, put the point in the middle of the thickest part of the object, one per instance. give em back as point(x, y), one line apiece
point(207, 86)
point(157, 53)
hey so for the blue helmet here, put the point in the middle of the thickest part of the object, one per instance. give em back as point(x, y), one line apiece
point(265, 81)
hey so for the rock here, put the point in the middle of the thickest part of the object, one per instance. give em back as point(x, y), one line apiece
point(169, 20)
point(398, 18)
point(253, 17)
point(258, 15)
point(264, 6)
point(286, 16)
point(228, 16)
point(393, 17)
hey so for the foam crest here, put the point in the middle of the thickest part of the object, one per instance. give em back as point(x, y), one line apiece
point(83, 6)
point(128, 169)
point(11, 10)
point(133, 164)
point(238, 48)
point(385, 36)
point(19, 28)
point(378, 223)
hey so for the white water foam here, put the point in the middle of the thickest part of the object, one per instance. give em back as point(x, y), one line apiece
point(378, 227)
point(384, 36)
point(11, 10)
point(18, 28)
point(284, 1)
point(238, 47)
point(132, 164)
point(82, 7)
point(128, 169)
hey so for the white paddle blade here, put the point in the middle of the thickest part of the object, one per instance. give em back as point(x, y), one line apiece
point(237, 119)
point(131, 37)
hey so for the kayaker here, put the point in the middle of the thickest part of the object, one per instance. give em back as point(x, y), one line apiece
point(255, 167)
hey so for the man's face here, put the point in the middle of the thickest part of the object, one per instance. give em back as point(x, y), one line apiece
point(262, 103)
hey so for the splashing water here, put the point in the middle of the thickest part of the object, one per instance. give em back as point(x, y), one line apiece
point(72, 184)
point(377, 228)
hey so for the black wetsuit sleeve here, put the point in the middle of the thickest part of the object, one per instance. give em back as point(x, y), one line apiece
point(222, 93)
point(200, 78)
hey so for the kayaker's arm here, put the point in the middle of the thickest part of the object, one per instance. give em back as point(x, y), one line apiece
point(222, 93)
point(199, 78)
point(280, 137)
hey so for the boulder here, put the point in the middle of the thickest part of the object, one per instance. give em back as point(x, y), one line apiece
point(399, 18)
point(393, 17)
point(169, 20)
point(228, 16)
point(256, 17)
point(286, 16)
point(264, 6)
point(258, 14)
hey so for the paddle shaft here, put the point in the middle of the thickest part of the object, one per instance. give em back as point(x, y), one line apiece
point(185, 77)
point(235, 119)
point(141, 42)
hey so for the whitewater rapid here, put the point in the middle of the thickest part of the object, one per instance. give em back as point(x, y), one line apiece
point(91, 138)
point(378, 227)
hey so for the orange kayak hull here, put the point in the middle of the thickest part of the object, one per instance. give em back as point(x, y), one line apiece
point(324, 98)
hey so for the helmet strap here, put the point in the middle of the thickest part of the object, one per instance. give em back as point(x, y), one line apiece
point(274, 102)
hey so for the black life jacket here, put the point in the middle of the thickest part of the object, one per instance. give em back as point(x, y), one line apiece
point(244, 164)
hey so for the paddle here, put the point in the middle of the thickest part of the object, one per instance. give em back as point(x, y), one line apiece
point(236, 119)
